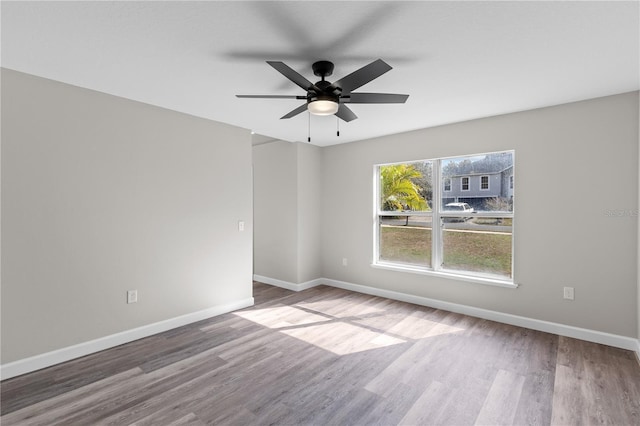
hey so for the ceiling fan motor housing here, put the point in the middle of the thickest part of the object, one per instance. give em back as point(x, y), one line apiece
point(327, 90)
point(322, 97)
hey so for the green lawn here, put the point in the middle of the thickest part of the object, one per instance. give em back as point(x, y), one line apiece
point(469, 251)
point(406, 244)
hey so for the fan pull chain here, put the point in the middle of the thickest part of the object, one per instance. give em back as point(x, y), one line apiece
point(337, 126)
point(309, 128)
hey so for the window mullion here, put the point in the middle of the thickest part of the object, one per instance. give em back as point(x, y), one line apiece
point(436, 222)
point(376, 214)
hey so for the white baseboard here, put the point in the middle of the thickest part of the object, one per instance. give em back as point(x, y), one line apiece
point(287, 285)
point(48, 359)
point(614, 340)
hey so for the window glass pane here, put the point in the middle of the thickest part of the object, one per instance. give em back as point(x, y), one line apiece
point(406, 187)
point(484, 182)
point(481, 244)
point(465, 183)
point(405, 239)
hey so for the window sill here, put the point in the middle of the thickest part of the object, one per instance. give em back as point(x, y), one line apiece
point(449, 275)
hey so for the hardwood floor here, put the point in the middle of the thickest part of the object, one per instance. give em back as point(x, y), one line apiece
point(326, 356)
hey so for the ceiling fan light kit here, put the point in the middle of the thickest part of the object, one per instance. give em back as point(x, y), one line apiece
point(323, 106)
point(325, 98)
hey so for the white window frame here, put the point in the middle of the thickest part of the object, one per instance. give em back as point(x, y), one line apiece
point(488, 183)
point(462, 178)
point(437, 215)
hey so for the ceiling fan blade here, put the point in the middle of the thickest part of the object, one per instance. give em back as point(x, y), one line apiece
point(374, 98)
point(293, 75)
point(345, 113)
point(271, 96)
point(362, 76)
point(301, 108)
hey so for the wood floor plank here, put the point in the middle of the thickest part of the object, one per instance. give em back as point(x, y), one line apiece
point(595, 384)
point(187, 420)
point(502, 400)
point(428, 406)
point(330, 356)
point(127, 395)
point(568, 400)
point(392, 408)
point(170, 417)
point(189, 395)
point(29, 389)
point(536, 399)
point(44, 412)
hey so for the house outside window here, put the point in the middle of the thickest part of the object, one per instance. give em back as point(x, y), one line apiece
point(465, 233)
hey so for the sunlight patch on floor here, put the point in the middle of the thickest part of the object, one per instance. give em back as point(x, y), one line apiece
point(326, 326)
point(341, 308)
point(282, 316)
point(412, 327)
point(341, 338)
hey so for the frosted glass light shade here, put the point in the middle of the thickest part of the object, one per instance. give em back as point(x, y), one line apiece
point(323, 107)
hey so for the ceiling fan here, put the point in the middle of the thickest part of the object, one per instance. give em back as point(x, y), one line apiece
point(326, 98)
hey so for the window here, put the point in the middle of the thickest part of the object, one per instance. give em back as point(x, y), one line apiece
point(464, 183)
point(484, 183)
point(422, 229)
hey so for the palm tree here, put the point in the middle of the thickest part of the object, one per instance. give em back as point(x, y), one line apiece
point(399, 191)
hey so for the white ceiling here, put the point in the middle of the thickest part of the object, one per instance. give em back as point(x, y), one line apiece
point(456, 60)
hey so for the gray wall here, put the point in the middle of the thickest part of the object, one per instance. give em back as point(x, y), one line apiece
point(275, 204)
point(287, 200)
point(562, 238)
point(309, 163)
point(101, 195)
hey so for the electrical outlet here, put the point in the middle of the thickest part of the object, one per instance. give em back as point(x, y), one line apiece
point(132, 296)
point(345, 262)
point(240, 225)
point(568, 293)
